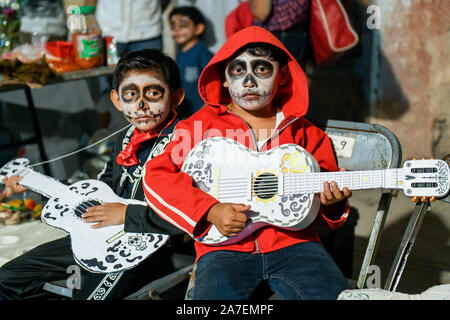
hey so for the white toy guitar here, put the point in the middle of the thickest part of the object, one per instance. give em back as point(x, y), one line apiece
point(283, 184)
point(100, 250)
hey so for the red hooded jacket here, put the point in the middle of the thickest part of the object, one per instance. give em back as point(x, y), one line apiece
point(170, 192)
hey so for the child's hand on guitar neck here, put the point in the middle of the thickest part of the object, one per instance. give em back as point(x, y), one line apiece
point(13, 184)
point(333, 195)
point(229, 218)
point(108, 214)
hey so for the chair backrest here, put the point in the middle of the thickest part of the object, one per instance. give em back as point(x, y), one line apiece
point(363, 146)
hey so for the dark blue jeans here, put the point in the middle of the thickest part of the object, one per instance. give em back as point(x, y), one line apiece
point(304, 271)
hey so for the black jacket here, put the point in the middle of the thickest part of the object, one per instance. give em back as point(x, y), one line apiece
point(140, 219)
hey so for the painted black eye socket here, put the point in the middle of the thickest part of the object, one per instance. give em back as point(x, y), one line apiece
point(263, 68)
point(153, 94)
point(129, 94)
point(238, 70)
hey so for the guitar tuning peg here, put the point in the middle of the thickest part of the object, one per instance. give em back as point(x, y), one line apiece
point(414, 158)
point(424, 199)
point(415, 199)
point(432, 158)
point(432, 199)
point(423, 158)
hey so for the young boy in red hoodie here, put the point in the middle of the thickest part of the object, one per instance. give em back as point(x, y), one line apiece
point(252, 85)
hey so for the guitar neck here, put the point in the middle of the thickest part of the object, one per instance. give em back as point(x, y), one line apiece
point(42, 184)
point(354, 180)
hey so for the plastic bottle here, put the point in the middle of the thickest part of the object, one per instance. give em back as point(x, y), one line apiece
point(87, 39)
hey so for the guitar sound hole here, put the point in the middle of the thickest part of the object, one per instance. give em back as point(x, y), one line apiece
point(265, 185)
point(82, 207)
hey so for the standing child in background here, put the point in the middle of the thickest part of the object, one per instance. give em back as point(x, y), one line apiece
point(188, 25)
point(146, 89)
point(253, 89)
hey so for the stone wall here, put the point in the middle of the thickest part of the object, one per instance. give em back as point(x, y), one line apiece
point(415, 42)
point(398, 76)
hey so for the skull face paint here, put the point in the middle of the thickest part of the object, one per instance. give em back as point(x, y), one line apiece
point(144, 100)
point(252, 81)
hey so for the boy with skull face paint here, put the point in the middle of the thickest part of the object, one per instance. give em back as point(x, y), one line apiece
point(147, 90)
point(254, 86)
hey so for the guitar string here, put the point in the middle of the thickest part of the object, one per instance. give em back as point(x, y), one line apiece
point(235, 187)
point(336, 174)
point(268, 182)
point(298, 180)
point(269, 191)
point(269, 188)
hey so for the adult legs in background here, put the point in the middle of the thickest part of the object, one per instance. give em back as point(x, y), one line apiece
point(297, 41)
point(154, 43)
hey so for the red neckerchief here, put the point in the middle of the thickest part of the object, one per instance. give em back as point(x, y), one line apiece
point(127, 157)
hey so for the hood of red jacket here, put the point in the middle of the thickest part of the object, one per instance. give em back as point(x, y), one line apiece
point(292, 97)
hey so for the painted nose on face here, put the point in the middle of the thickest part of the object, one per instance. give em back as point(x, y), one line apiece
point(249, 81)
point(141, 104)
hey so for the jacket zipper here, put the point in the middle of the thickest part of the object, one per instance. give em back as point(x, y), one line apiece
point(263, 147)
point(257, 249)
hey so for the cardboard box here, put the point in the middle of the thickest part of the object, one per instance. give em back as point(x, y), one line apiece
point(80, 3)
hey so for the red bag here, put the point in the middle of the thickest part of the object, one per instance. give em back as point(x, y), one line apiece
point(330, 30)
point(241, 17)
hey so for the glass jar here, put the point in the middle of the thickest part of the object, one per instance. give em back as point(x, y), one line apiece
point(87, 38)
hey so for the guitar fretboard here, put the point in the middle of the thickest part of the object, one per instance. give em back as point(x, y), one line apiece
point(354, 180)
point(42, 184)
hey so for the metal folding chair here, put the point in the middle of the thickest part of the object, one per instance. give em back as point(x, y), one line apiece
point(363, 146)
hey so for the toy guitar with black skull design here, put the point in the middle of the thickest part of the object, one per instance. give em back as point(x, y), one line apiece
point(100, 250)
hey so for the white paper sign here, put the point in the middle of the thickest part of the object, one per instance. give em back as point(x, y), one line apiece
point(343, 145)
